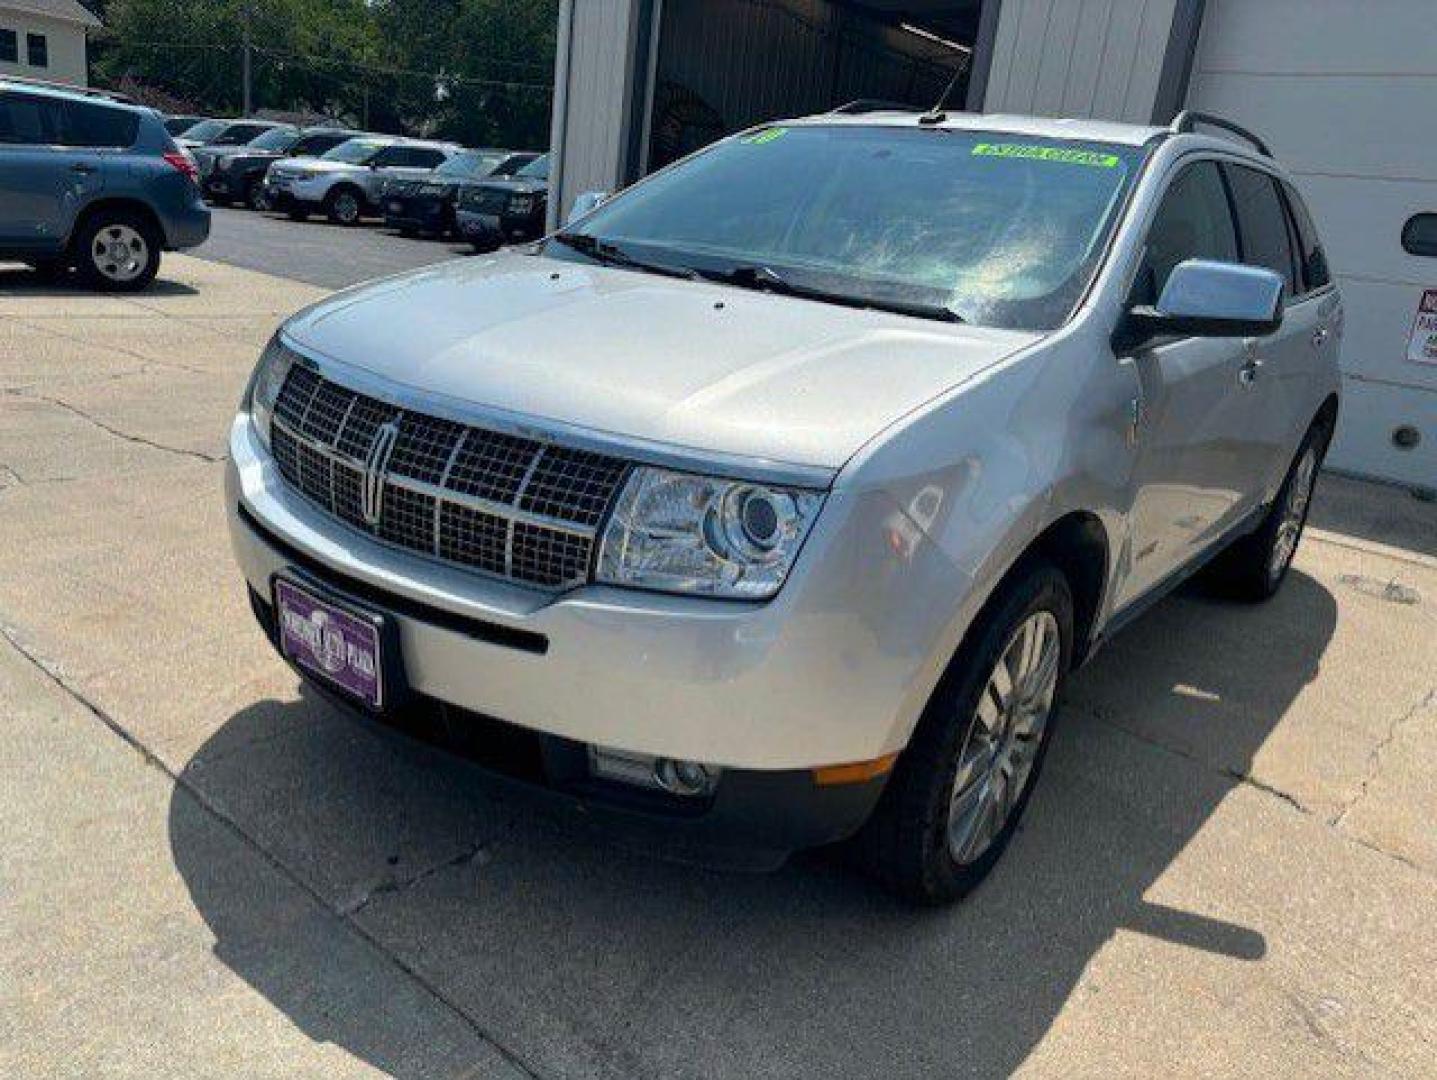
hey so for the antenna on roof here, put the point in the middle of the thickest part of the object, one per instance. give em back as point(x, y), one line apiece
point(937, 114)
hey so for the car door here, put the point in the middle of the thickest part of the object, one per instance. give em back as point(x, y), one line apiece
point(1278, 368)
point(43, 182)
point(1192, 466)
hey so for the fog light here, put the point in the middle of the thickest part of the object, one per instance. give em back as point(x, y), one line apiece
point(687, 778)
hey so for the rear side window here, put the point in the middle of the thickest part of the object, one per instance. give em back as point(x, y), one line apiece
point(1311, 259)
point(29, 121)
point(314, 145)
point(426, 159)
point(98, 126)
point(1193, 222)
point(9, 47)
point(1262, 223)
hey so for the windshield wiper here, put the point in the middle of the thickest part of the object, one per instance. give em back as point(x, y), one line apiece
point(767, 279)
point(610, 254)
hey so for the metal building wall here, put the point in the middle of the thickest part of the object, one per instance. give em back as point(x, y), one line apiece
point(1084, 58)
point(599, 42)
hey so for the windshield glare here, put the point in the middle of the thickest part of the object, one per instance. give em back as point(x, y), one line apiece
point(205, 129)
point(471, 164)
point(276, 139)
point(538, 169)
point(1003, 230)
point(355, 151)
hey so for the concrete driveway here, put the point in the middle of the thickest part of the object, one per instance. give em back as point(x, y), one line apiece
point(1227, 870)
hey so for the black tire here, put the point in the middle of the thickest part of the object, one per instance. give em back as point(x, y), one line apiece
point(906, 844)
point(344, 205)
point(108, 231)
point(1255, 566)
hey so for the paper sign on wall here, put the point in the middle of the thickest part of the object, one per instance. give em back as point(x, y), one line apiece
point(1422, 347)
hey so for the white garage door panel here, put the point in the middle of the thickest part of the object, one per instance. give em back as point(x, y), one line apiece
point(1356, 126)
point(1328, 36)
point(1370, 411)
point(1379, 322)
point(1355, 241)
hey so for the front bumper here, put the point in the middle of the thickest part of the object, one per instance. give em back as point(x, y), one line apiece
point(427, 214)
point(835, 669)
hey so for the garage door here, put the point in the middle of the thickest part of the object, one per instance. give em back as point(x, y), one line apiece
point(1345, 91)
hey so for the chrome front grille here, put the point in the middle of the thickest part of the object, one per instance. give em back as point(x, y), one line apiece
point(505, 505)
point(486, 200)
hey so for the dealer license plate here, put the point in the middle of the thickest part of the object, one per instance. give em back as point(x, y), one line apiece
point(340, 646)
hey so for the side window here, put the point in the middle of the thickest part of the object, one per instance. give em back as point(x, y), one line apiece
point(99, 126)
point(1262, 223)
point(38, 48)
point(9, 47)
point(1311, 259)
point(427, 159)
point(390, 157)
point(29, 121)
point(1192, 222)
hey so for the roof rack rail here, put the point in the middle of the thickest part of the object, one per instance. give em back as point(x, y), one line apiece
point(868, 105)
point(83, 91)
point(1189, 119)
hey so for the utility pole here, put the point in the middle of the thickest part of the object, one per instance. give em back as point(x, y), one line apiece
point(247, 15)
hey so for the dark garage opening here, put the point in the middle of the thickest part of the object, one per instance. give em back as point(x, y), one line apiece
point(724, 65)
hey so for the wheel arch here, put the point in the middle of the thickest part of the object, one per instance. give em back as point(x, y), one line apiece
point(109, 205)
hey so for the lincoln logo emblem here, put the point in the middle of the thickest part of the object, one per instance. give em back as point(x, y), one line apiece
point(376, 467)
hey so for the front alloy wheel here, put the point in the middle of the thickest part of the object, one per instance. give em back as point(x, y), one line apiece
point(1003, 737)
point(960, 787)
point(344, 208)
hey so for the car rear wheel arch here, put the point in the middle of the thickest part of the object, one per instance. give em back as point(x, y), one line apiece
point(117, 207)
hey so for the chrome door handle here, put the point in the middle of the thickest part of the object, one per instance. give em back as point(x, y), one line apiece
point(1320, 336)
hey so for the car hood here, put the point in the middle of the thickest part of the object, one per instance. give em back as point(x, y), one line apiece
point(693, 365)
point(518, 186)
point(315, 166)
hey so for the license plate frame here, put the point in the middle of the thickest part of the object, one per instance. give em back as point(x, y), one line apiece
point(327, 638)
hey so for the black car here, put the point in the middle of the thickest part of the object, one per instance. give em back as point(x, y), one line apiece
point(427, 205)
point(236, 174)
point(498, 212)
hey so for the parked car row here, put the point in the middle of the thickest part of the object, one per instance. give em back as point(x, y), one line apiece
point(488, 196)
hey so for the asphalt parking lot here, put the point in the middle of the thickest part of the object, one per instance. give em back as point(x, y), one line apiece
point(1230, 867)
point(331, 256)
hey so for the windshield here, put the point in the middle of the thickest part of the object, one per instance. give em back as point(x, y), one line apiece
point(355, 151)
point(276, 139)
point(205, 129)
point(471, 163)
point(999, 229)
point(538, 169)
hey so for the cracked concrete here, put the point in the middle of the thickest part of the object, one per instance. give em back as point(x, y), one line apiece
point(1228, 868)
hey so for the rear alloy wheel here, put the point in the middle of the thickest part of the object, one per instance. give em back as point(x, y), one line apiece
point(961, 786)
point(1255, 567)
point(118, 252)
point(342, 206)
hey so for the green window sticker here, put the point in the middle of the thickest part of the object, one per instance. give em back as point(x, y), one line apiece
point(766, 136)
point(1062, 155)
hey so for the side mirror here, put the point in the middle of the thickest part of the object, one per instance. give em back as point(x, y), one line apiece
point(586, 203)
point(1203, 298)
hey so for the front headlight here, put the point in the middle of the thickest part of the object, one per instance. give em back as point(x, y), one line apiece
point(677, 532)
point(269, 375)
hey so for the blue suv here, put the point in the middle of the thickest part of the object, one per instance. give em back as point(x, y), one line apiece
point(93, 183)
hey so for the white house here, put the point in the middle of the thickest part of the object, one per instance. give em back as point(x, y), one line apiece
point(45, 39)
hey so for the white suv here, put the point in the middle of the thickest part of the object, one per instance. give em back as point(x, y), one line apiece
point(772, 501)
point(345, 182)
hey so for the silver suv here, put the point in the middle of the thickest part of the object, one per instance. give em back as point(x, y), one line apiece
point(344, 183)
point(771, 502)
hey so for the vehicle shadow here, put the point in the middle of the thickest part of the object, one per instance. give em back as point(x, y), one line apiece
point(586, 960)
point(23, 281)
